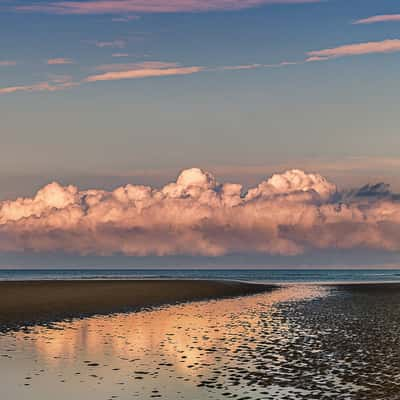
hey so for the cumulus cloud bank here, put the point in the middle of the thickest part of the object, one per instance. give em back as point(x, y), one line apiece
point(287, 214)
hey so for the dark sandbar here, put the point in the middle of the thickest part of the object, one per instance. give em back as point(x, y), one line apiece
point(30, 302)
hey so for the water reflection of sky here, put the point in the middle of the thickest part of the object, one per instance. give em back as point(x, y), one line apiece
point(177, 352)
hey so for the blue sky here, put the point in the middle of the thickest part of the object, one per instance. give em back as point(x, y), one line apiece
point(239, 96)
point(340, 108)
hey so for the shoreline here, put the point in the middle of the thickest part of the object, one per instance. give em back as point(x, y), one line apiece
point(25, 303)
point(330, 283)
point(28, 303)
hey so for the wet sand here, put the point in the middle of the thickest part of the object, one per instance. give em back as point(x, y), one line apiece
point(299, 342)
point(32, 302)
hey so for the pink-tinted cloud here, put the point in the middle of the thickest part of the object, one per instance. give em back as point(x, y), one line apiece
point(53, 85)
point(385, 46)
point(241, 67)
point(126, 18)
point(119, 55)
point(143, 73)
point(287, 214)
point(120, 71)
point(136, 66)
point(244, 67)
point(112, 72)
point(59, 61)
point(116, 44)
point(378, 18)
point(150, 6)
point(8, 63)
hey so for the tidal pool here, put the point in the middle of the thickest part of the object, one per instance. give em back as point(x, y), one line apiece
point(239, 348)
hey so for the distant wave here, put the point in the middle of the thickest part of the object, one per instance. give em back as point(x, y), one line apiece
point(271, 276)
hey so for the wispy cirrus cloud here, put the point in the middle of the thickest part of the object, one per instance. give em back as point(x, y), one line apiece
point(37, 87)
point(126, 18)
point(7, 63)
point(378, 18)
point(52, 85)
point(149, 69)
point(245, 67)
point(119, 55)
point(115, 44)
point(118, 67)
point(149, 6)
point(240, 67)
point(355, 49)
point(111, 72)
point(59, 61)
point(143, 73)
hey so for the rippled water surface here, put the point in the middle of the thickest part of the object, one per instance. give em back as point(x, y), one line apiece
point(191, 351)
point(255, 275)
point(298, 342)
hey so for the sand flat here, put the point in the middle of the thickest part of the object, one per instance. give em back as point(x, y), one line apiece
point(27, 302)
point(299, 342)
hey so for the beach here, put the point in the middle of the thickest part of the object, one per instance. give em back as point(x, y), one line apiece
point(297, 342)
point(29, 302)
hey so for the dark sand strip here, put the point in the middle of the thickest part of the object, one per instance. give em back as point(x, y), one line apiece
point(31, 302)
point(368, 287)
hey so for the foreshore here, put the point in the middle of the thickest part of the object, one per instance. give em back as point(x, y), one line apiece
point(25, 303)
point(339, 341)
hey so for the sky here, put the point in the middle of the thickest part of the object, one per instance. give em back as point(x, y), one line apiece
point(102, 94)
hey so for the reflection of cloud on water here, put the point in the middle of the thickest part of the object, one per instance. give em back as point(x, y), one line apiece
point(180, 350)
point(182, 335)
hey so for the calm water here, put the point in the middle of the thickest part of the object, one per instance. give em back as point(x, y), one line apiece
point(298, 342)
point(197, 351)
point(244, 274)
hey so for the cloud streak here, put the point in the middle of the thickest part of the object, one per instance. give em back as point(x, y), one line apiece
point(116, 67)
point(111, 72)
point(355, 49)
point(149, 6)
point(378, 18)
point(141, 73)
point(241, 67)
point(119, 55)
point(115, 44)
point(287, 214)
point(46, 86)
point(7, 63)
point(126, 18)
point(121, 71)
point(59, 61)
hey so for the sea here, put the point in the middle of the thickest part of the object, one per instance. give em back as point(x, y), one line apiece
point(249, 275)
